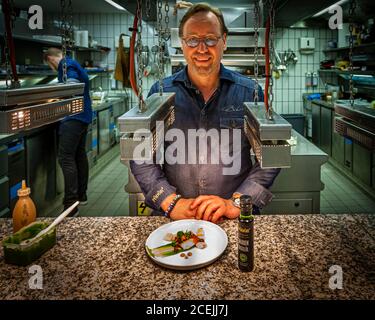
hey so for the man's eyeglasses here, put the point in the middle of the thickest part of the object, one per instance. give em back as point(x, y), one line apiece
point(193, 42)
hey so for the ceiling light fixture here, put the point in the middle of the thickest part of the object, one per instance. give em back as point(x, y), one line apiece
point(327, 9)
point(116, 5)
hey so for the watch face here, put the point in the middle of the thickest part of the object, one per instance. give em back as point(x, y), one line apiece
point(237, 202)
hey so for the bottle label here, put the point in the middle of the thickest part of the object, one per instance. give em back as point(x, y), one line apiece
point(243, 258)
point(243, 229)
point(243, 248)
point(245, 245)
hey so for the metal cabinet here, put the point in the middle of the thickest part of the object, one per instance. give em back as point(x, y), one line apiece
point(362, 165)
point(94, 136)
point(16, 169)
point(4, 182)
point(348, 155)
point(296, 189)
point(4, 197)
point(338, 148)
point(88, 146)
point(42, 169)
point(315, 112)
point(103, 130)
point(3, 160)
point(112, 126)
point(326, 130)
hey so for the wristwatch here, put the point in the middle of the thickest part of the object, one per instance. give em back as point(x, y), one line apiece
point(236, 199)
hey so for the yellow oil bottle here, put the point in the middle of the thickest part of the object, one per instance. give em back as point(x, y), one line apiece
point(24, 211)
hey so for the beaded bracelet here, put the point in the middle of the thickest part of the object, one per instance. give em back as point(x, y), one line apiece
point(172, 205)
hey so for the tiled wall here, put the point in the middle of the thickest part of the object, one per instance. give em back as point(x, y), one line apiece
point(288, 89)
point(105, 29)
point(291, 85)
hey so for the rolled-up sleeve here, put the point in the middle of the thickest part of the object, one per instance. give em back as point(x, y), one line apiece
point(257, 184)
point(151, 177)
point(152, 182)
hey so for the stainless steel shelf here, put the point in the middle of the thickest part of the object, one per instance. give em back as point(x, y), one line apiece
point(362, 46)
point(57, 43)
point(367, 72)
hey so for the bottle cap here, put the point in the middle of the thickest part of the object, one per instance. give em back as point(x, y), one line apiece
point(245, 200)
point(246, 205)
point(24, 191)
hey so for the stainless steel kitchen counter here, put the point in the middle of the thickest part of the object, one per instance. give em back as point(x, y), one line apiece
point(104, 258)
point(297, 189)
point(323, 103)
point(105, 104)
point(6, 138)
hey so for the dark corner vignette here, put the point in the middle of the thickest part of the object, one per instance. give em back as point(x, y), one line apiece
point(187, 159)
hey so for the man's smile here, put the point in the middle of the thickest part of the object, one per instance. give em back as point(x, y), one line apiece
point(202, 59)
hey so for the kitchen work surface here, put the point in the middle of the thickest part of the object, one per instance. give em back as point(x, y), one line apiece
point(105, 258)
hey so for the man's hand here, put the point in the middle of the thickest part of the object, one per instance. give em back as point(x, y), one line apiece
point(232, 211)
point(213, 208)
point(181, 210)
point(209, 208)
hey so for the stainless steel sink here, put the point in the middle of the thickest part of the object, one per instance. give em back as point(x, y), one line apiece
point(357, 103)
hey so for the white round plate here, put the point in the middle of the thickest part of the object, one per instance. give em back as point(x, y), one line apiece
point(215, 237)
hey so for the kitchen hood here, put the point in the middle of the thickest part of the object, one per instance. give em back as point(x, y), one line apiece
point(27, 108)
point(239, 13)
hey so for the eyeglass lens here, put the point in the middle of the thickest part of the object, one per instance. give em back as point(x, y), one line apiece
point(209, 42)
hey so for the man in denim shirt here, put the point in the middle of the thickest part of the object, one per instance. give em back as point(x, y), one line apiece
point(208, 97)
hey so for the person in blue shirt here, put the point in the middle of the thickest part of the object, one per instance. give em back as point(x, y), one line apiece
point(72, 133)
point(208, 96)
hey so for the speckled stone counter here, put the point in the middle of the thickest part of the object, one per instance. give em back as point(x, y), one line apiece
point(104, 258)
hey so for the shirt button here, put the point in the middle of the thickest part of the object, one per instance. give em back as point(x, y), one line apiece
point(203, 112)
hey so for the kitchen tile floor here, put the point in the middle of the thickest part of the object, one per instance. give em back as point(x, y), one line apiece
point(341, 195)
point(106, 195)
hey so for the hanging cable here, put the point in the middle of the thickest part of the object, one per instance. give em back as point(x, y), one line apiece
point(70, 27)
point(267, 63)
point(351, 45)
point(10, 55)
point(256, 62)
point(148, 9)
point(160, 45)
point(133, 80)
point(167, 33)
point(271, 58)
point(64, 38)
point(140, 68)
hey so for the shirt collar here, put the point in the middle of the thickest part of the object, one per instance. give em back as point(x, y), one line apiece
point(182, 76)
point(67, 58)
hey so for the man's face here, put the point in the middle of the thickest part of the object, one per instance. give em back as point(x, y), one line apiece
point(203, 60)
point(53, 62)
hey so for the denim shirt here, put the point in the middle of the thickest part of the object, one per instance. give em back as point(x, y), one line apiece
point(224, 110)
point(75, 71)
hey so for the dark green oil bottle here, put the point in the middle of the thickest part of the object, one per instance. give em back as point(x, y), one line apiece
point(246, 235)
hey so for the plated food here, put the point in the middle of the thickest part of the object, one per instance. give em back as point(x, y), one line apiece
point(186, 244)
point(179, 242)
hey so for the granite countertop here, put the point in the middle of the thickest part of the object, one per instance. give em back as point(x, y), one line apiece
point(104, 258)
